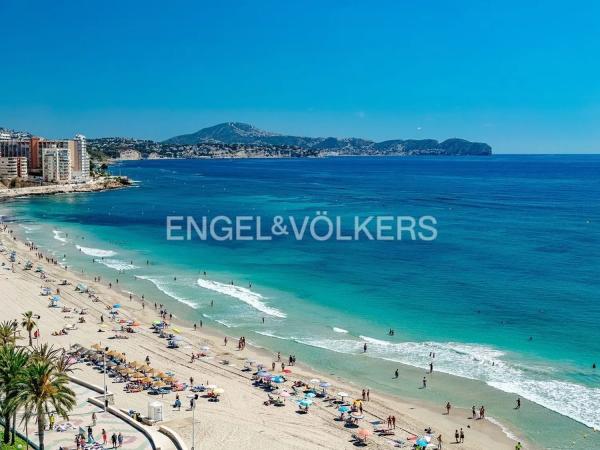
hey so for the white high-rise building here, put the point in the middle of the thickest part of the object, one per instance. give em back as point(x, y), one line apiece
point(56, 165)
point(80, 159)
point(13, 167)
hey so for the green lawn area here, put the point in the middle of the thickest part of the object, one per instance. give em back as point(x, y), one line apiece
point(19, 443)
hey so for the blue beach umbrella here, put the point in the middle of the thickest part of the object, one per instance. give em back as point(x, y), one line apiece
point(277, 379)
point(55, 298)
point(310, 395)
point(305, 402)
point(344, 409)
point(263, 373)
point(117, 305)
point(324, 384)
point(422, 442)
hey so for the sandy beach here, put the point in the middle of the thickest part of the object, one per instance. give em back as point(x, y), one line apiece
point(239, 419)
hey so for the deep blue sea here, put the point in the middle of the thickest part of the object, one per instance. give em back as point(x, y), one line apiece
point(506, 296)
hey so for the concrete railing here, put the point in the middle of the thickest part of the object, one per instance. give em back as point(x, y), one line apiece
point(174, 437)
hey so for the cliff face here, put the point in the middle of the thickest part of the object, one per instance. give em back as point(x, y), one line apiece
point(232, 133)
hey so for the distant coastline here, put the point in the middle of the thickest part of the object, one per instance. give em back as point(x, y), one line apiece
point(100, 184)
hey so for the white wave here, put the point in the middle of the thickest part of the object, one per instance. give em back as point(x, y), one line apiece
point(96, 252)
point(225, 323)
point(339, 330)
point(484, 363)
point(58, 235)
point(117, 264)
point(164, 287)
point(29, 228)
point(271, 334)
point(509, 434)
point(254, 299)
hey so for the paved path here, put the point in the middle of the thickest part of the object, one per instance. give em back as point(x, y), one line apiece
point(81, 416)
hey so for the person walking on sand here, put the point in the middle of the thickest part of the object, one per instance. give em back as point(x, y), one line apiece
point(94, 419)
point(396, 374)
point(364, 395)
point(456, 436)
point(462, 436)
point(120, 439)
point(439, 441)
point(104, 437)
point(473, 412)
point(368, 395)
point(394, 422)
point(113, 440)
point(448, 406)
point(51, 420)
point(389, 422)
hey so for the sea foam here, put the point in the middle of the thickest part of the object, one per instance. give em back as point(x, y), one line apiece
point(251, 298)
point(96, 252)
point(58, 235)
point(166, 289)
point(117, 264)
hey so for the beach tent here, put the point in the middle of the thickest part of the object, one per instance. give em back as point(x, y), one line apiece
point(81, 287)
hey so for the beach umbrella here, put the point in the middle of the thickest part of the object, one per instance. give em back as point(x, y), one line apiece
point(159, 384)
point(263, 373)
point(56, 298)
point(284, 394)
point(205, 348)
point(305, 402)
point(136, 364)
point(342, 394)
point(363, 433)
point(96, 346)
point(138, 376)
point(277, 379)
point(210, 387)
point(314, 381)
point(147, 380)
point(145, 368)
point(344, 409)
point(250, 362)
point(324, 384)
point(287, 370)
point(160, 375)
point(357, 415)
point(116, 305)
point(218, 391)
point(310, 395)
point(170, 380)
point(156, 322)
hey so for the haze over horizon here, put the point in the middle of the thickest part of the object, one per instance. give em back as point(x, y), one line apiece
point(522, 78)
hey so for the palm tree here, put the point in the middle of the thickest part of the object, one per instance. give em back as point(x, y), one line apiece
point(8, 330)
point(43, 389)
point(58, 356)
point(29, 324)
point(12, 365)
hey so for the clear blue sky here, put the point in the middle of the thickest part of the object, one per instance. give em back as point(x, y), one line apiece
point(523, 76)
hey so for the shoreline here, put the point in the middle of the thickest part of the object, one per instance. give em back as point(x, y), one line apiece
point(101, 184)
point(416, 415)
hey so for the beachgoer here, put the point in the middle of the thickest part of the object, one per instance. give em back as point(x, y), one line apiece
point(396, 374)
point(462, 435)
point(113, 439)
point(439, 440)
point(365, 348)
point(120, 439)
point(394, 422)
point(94, 419)
point(518, 403)
point(364, 395)
point(52, 420)
point(518, 446)
point(424, 382)
point(456, 436)
point(448, 406)
point(368, 395)
point(473, 412)
point(104, 437)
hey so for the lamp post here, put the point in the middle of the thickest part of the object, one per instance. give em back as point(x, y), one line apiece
point(104, 373)
point(193, 423)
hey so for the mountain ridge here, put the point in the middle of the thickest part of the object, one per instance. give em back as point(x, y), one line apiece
point(230, 133)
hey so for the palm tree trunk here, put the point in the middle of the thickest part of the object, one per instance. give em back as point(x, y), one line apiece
point(41, 424)
point(30, 341)
point(6, 437)
point(14, 428)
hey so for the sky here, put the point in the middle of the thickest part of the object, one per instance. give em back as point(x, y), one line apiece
point(523, 76)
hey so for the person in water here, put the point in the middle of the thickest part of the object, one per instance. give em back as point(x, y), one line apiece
point(365, 348)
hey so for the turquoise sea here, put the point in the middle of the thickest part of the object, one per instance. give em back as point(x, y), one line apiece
point(507, 296)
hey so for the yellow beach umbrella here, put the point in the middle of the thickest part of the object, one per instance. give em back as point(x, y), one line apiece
point(170, 380)
point(96, 346)
point(145, 368)
point(159, 384)
point(136, 364)
point(160, 375)
point(147, 380)
point(138, 376)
